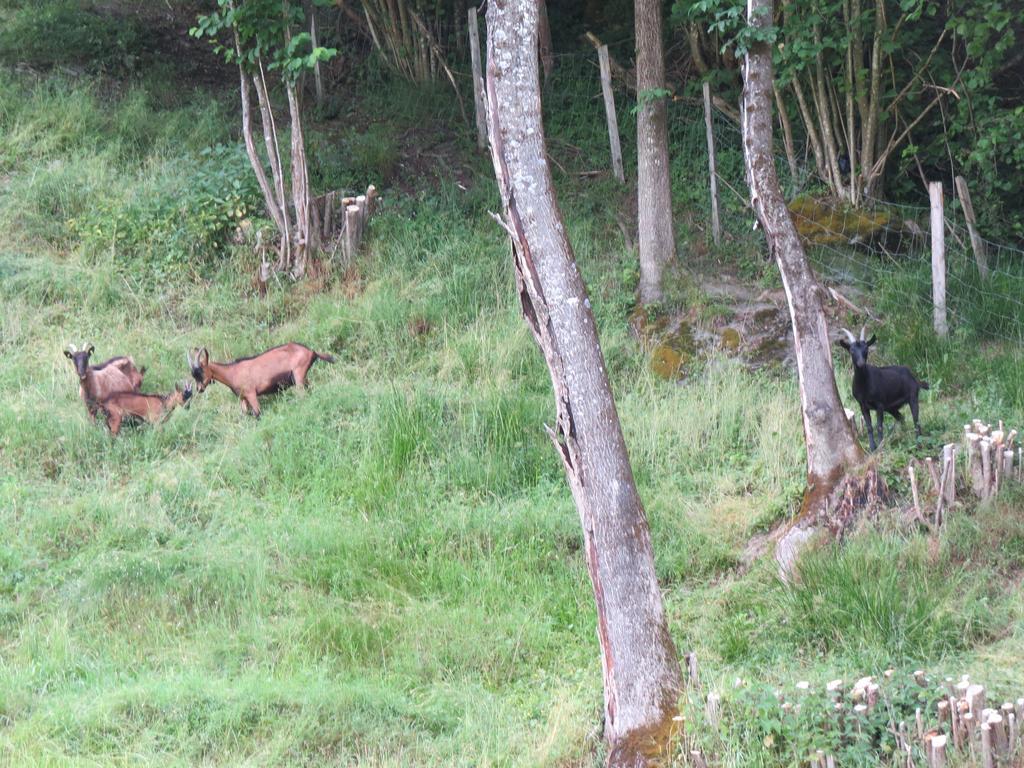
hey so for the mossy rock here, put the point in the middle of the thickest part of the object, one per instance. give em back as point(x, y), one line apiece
point(827, 222)
point(671, 354)
point(730, 340)
point(667, 362)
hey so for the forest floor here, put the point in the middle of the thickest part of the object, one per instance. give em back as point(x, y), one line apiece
point(387, 569)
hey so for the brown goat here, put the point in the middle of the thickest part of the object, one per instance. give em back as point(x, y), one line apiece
point(151, 408)
point(249, 377)
point(97, 382)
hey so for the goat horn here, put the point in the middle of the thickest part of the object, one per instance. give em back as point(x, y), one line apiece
point(849, 336)
point(862, 329)
point(188, 358)
point(72, 348)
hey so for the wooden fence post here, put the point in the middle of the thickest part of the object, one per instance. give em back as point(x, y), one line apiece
point(938, 260)
point(977, 244)
point(351, 244)
point(478, 83)
point(609, 111)
point(716, 225)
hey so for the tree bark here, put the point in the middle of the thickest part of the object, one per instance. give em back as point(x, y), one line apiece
point(832, 449)
point(642, 677)
point(306, 241)
point(654, 190)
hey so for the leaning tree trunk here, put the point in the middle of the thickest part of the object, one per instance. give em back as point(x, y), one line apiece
point(642, 678)
point(654, 192)
point(833, 496)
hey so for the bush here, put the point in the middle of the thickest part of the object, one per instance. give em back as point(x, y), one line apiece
point(179, 223)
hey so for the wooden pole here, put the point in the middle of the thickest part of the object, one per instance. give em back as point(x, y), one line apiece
point(609, 111)
point(986, 746)
point(692, 678)
point(913, 489)
point(478, 83)
point(938, 260)
point(351, 233)
point(977, 244)
point(938, 751)
point(949, 491)
point(328, 218)
point(716, 225)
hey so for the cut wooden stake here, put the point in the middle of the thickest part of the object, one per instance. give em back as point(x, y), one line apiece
point(987, 488)
point(713, 709)
point(977, 244)
point(955, 723)
point(938, 751)
point(987, 760)
point(478, 82)
point(950, 489)
point(975, 700)
point(940, 494)
point(610, 114)
point(716, 225)
point(938, 260)
point(691, 670)
point(1000, 744)
point(932, 472)
point(351, 234)
point(913, 490)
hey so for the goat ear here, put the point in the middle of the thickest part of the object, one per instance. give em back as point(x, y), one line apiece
point(871, 340)
point(90, 349)
point(844, 344)
point(68, 355)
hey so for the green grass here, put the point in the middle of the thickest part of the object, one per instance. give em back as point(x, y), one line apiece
point(387, 570)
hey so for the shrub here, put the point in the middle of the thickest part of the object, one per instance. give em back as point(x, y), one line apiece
point(179, 223)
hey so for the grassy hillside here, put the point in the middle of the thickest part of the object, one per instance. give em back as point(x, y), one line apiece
point(386, 570)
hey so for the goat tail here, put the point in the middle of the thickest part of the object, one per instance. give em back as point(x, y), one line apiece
point(923, 385)
point(330, 358)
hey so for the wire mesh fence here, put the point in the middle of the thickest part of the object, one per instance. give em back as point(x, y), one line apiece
point(854, 251)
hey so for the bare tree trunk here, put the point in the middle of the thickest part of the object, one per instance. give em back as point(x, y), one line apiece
point(832, 449)
point(273, 210)
point(274, 155)
point(304, 236)
point(642, 677)
point(654, 190)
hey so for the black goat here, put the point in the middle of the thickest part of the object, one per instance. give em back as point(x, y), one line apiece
point(883, 389)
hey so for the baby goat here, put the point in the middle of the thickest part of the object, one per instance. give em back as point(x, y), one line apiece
point(264, 374)
point(97, 382)
point(883, 389)
point(135, 405)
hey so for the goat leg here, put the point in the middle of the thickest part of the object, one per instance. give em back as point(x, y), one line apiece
point(881, 431)
point(867, 421)
point(254, 404)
